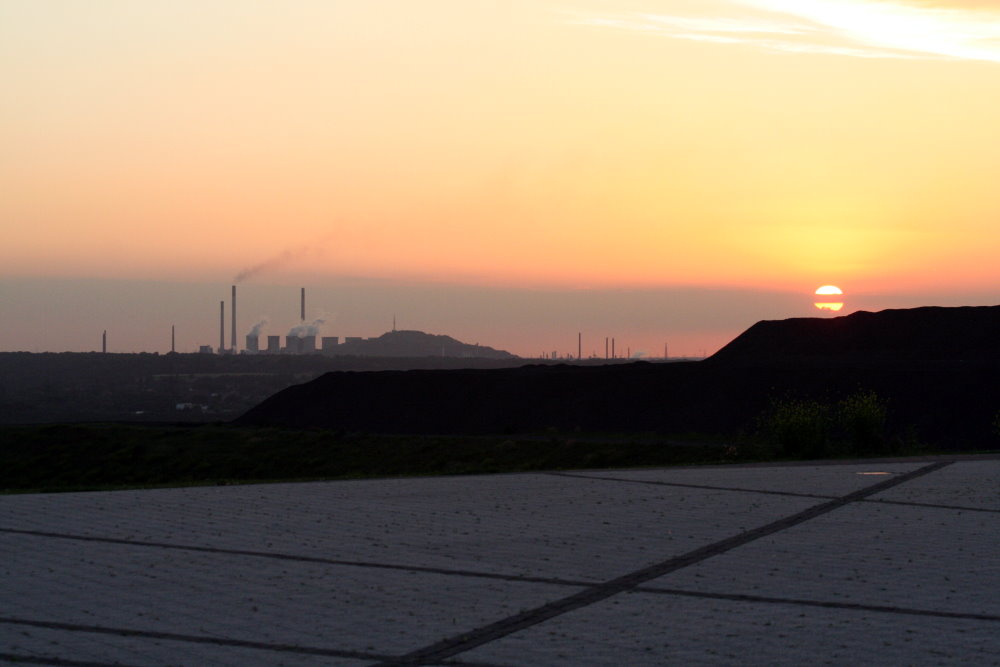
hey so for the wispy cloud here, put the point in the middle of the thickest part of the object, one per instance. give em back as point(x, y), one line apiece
point(859, 28)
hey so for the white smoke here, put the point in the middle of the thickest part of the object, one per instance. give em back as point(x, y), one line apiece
point(256, 329)
point(303, 330)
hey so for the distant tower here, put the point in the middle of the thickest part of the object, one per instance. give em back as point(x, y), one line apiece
point(233, 327)
point(579, 346)
point(173, 338)
point(394, 322)
point(605, 347)
point(302, 315)
point(612, 347)
point(222, 327)
point(104, 342)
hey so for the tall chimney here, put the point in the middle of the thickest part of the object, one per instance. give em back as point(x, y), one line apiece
point(233, 327)
point(173, 338)
point(579, 346)
point(222, 327)
point(104, 342)
point(303, 313)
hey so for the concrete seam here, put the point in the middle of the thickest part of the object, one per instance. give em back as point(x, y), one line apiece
point(303, 559)
point(856, 606)
point(196, 639)
point(691, 486)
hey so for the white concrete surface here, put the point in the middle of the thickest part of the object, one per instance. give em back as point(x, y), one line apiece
point(365, 572)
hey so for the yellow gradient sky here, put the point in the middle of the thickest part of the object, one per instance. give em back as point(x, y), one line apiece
point(769, 145)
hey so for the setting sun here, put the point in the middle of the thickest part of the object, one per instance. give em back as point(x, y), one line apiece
point(827, 290)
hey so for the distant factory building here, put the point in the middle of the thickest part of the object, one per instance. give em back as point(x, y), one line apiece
point(330, 344)
point(352, 339)
point(205, 349)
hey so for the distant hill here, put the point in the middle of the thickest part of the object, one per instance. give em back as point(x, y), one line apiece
point(929, 333)
point(418, 344)
point(936, 368)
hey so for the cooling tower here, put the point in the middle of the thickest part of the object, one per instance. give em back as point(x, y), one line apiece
point(273, 344)
point(253, 343)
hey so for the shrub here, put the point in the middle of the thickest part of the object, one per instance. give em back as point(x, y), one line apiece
point(797, 427)
point(811, 429)
point(861, 417)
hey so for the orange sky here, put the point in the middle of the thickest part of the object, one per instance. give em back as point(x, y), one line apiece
point(636, 144)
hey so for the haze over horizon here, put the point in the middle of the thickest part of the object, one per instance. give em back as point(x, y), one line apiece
point(508, 173)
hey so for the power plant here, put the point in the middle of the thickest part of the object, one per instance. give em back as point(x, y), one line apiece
point(303, 338)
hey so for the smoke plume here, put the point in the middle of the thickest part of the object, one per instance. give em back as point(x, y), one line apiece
point(303, 330)
point(272, 264)
point(256, 329)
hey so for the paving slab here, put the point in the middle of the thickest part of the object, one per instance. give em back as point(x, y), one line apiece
point(912, 557)
point(48, 646)
point(208, 595)
point(520, 525)
point(974, 484)
point(648, 629)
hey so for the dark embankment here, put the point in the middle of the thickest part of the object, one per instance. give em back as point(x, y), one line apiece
point(913, 335)
point(937, 369)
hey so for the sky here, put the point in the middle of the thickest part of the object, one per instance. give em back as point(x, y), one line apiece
point(509, 172)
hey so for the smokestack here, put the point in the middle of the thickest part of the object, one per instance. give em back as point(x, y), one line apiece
point(579, 346)
point(303, 313)
point(612, 347)
point(173, 338)
point(104, 342)
point(234, 320)
point(222, 327)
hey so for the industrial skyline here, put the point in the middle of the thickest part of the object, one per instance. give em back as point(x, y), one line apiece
point(42, 315)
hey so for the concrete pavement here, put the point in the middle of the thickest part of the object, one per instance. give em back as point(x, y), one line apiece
point(894, 562)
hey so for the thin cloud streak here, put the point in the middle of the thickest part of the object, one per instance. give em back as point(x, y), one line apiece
point(856, 28)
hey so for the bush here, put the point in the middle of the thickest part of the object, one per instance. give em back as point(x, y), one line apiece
point(811, 429)
point(797, 428)
point(861, 417)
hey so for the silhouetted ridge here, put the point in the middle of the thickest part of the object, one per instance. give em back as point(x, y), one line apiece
point(929, 333)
